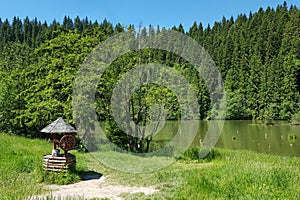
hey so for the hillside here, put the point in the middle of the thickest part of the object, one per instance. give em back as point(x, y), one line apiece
point(257, 55)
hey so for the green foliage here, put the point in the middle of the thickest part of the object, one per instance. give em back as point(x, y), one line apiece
point(13, 61)
point(296, 118)
point(236, 106)
point(257, 55)
point(116, 135)
point(292, 137)
point(59, 178)
point(48, 95)
point(193, 154)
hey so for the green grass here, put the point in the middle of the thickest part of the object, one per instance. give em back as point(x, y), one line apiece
point(231, 175)
point(20, 158)
point(228, 175)
point(243, 175)
point(21, 172)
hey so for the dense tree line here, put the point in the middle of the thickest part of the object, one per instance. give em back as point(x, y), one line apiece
point(257, 55)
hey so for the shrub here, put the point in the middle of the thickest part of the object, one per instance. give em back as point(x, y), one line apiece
point(195, 153)
point(60, 178)
point(292, 137)
point(296, 118)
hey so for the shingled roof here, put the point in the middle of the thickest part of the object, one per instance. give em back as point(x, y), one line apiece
point(59, 126)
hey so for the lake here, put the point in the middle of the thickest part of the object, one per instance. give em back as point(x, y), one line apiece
point(241, 134)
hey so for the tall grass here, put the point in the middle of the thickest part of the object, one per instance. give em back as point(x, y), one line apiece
point(231, 175)
point(225, 174)
point(244, 176)
point(21, 172)
point(19, 160)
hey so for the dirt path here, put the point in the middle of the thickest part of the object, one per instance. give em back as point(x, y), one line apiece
point(94, 188)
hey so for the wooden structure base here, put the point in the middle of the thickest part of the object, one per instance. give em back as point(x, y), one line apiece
point(59, 163)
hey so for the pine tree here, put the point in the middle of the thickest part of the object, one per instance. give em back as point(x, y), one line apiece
point(78, 25)
point(17, 32)
point(68, 23)
point(27, 31)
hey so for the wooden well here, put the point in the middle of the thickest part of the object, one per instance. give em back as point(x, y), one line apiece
point(59, 163)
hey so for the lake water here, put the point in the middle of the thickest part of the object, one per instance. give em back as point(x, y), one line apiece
point(276, 139)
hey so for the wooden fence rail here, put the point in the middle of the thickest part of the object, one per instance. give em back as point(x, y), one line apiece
point(59, 163)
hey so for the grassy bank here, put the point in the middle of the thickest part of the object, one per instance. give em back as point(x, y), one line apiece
point(20, 160)
point(230, 175)
point(21, 172)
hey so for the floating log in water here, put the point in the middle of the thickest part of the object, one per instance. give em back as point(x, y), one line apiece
point(59, 163)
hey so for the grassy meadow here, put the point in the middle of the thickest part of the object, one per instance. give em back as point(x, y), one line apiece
point(227, 175)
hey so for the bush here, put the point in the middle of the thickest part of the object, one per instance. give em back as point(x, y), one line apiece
point(296, 118)
point(292, 137)
point(195, 153)
point(60, 178)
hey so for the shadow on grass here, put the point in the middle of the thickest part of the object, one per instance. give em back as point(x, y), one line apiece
point(89, 175)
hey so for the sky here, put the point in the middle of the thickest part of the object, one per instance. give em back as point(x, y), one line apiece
point(163, 13)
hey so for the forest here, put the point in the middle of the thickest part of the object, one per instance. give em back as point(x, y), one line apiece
point(257, 55)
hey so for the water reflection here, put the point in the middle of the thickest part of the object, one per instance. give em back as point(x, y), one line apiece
point(276, 139)
point(260, 138)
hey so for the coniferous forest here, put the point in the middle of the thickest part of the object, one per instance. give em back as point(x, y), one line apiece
point(258, 56)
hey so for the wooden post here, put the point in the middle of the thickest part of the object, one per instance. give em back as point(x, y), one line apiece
point(54, 140)
point(65, 154)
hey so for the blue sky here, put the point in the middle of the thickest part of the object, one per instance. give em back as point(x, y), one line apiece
point(165, 13)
